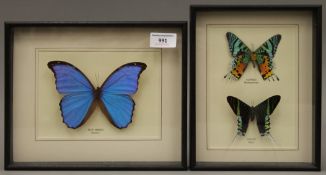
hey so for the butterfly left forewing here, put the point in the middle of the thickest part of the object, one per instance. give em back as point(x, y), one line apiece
point(115, 93)
point(241, 56)
point(242, 111)
point(263, 112)
point(78, 98)
point(264, 57)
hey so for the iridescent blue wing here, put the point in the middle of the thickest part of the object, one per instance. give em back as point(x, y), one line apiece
point(78, 93)
point(116, 91)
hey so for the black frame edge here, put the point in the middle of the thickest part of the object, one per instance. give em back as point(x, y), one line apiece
point(184, 95)
point(246, 7)
point(317, 75)
point(192, 89)
point(8, 96)
point(317, 51)
point(9, 163)
point(96, 166)
point(254, 166)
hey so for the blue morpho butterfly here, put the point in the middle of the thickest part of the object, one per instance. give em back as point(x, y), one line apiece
point(80, 96)
point(262, 113)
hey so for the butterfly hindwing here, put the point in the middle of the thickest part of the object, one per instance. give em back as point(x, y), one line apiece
point(263, 112)
point(77, 90)
point(241, 56)
point(265, 54)
point(115, 93)
point(243, 113)
point(76, 108)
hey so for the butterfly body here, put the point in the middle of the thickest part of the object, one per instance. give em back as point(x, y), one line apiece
point(261, 112)
point(242, 56)
point(80, 97)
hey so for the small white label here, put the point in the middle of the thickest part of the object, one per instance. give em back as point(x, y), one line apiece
point(163, 40)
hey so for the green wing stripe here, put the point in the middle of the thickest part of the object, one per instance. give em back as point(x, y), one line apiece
point(267, 118)
point(263, 112)
point(269, 47)
point(236, 46)
point(242, 112)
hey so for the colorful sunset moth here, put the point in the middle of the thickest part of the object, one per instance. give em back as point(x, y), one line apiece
point(242, 55)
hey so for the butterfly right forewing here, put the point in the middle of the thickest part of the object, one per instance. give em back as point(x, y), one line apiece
point(264, 57)
point(115, 93)
point(263, 112)
point(243, 113)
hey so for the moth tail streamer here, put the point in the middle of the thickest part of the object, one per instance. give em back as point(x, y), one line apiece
point(275, 145)
point(273, 77)
point(273, 140)
point(229, 76)
point(233, 140)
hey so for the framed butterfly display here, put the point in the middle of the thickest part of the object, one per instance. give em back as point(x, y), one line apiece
point(249, 79)
point(96, 91)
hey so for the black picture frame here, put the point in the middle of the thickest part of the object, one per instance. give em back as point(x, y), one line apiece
point(10, 164)
point(261, 166)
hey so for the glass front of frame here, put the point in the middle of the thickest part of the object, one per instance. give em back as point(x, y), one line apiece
point(254, 86)
point(96, 94)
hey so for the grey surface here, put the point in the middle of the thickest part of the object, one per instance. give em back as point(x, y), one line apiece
point(125, 10)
